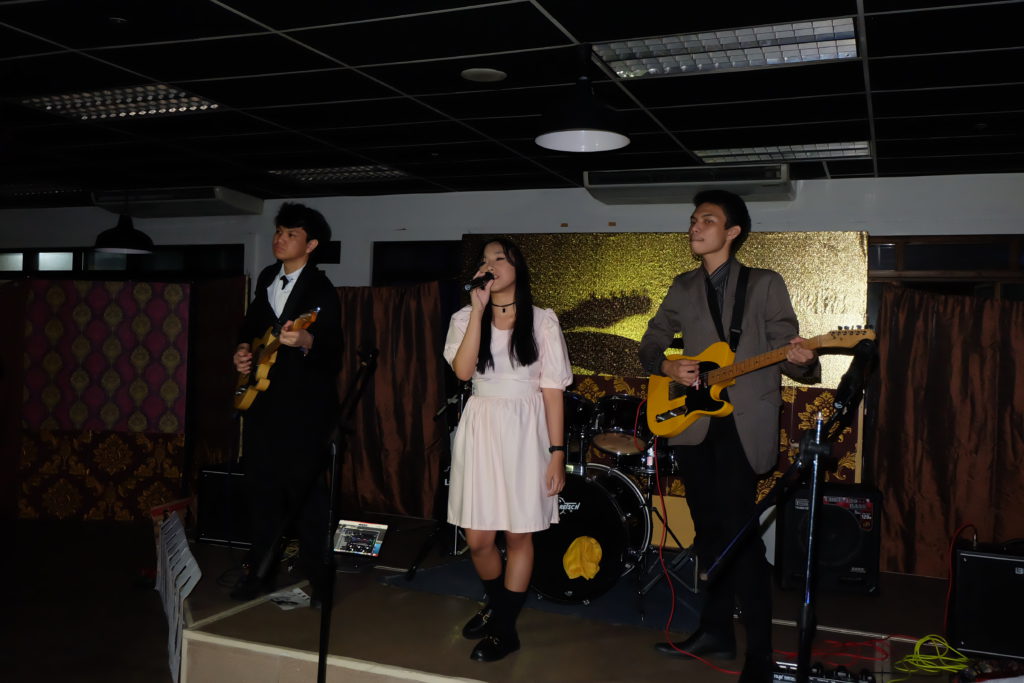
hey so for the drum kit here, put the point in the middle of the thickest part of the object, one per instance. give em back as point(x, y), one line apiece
point(611, 504)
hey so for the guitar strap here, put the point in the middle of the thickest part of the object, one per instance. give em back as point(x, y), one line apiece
point(735, 327)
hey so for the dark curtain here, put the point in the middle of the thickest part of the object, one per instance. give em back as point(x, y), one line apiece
point(12, 303)
point(395, 445)
point(950, 441)
point(218, 307)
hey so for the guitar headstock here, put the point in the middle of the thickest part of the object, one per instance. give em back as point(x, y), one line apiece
point(306, 319)
point(845, 337)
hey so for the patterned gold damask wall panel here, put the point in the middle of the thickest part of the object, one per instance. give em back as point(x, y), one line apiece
point(606, 286)
point(89, 475)
point(106, 356)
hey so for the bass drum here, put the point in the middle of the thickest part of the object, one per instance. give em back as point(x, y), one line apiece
point(604, 504)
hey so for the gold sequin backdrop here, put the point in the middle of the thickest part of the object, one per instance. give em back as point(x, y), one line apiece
point(606, 286)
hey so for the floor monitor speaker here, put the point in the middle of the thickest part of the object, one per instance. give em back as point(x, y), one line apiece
point(847, 538)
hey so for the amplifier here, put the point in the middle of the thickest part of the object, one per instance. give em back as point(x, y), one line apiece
point(847, 538)
point(223, 515)
point(988, 602)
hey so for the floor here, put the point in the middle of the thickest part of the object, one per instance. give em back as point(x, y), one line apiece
point(84, 611)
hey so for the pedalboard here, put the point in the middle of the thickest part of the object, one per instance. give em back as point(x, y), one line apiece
point(785, 672)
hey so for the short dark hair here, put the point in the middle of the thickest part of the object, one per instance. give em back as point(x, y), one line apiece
point(295, 215)
point(734, 208)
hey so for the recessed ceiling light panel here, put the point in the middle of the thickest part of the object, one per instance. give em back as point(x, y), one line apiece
point(824, 150)
point(341, 174)
point(122, 103)
point(752, 47)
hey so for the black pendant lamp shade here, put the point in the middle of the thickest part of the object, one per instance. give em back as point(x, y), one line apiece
point(124, 239)
point(582, 123)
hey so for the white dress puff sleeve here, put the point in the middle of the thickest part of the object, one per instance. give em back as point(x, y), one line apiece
point(555, 368)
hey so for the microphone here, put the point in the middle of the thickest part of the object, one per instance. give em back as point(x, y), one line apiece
point(479, 281)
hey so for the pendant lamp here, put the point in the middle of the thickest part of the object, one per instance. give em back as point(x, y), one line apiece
point(581, 122)
point(124, 239)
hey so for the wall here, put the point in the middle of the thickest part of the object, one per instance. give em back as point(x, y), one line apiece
point(938, 205)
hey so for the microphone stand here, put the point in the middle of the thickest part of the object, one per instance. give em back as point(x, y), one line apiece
point(337, 446)
point(813, 448)
point(440, 495)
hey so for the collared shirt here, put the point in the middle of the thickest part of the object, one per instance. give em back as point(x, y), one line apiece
point(718, 281)
point(279, 291)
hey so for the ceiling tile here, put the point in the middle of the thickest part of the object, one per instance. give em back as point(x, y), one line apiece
point(120, 22)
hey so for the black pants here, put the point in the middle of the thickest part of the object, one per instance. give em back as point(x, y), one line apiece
point(720, 489)
point(284, 475)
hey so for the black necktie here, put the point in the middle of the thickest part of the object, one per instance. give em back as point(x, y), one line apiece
point(284, 282)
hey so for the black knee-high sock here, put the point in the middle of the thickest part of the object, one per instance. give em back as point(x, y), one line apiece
point(505, 616)
point(493, 588)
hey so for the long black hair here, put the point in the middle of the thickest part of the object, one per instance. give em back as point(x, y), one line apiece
point(522, 349)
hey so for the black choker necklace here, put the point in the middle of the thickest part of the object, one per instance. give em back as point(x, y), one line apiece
point(504, 306)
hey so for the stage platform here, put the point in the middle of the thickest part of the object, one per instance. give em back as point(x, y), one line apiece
point(384, 631)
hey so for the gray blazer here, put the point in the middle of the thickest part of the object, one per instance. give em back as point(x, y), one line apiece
point(768, 323)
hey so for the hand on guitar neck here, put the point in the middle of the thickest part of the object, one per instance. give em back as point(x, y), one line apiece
point(686, 371)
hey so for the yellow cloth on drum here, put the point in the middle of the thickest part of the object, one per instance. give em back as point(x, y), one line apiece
point(582, 558)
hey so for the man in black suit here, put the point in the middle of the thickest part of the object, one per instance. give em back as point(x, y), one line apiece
point(286, 429)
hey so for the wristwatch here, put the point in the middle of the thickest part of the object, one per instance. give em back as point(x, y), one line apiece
point(552, 449)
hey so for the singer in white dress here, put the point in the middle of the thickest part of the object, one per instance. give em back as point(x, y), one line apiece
point(508, 456)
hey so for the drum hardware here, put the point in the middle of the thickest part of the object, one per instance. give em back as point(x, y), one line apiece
point(578, 415)
point(683, 567)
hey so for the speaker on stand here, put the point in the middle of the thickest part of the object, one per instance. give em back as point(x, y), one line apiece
point(849, 533)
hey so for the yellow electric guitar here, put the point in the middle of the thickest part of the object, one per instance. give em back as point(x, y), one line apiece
point(672, 407)
point(264, 355)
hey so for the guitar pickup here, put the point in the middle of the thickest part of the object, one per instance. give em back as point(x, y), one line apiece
point(669, 414)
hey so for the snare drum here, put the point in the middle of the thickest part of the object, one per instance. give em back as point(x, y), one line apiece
point(620, 426)
point(604, 505)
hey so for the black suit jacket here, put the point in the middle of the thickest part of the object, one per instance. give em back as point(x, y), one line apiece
point(303, 388)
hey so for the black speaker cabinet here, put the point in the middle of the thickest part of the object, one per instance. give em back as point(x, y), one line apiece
point(223, 515)
point(988, 603)
point(847, 539)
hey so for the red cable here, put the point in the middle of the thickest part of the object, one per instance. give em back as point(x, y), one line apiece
point(949, 578)
point(661, 551)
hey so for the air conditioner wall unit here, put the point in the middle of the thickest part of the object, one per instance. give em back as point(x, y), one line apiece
point(763, 183)
point(179, 202)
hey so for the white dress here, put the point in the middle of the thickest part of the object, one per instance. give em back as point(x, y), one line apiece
point(500, 453)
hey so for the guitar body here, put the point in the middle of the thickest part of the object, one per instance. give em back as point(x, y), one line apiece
point(673, 407)
point(251, 384)
point(264, 353)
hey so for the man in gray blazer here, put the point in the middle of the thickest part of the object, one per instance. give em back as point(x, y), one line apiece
point(721, 458)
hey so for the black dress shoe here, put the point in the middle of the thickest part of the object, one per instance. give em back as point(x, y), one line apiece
point(478, 626)
point(702, 644)
point(757, 669)
point(492, 648)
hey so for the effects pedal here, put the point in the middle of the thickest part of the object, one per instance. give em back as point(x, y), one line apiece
point(785, 672)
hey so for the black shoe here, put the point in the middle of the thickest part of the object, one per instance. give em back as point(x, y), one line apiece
point(702, 644)
point(479, 626)
point(757, 669)
point(492, 648)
